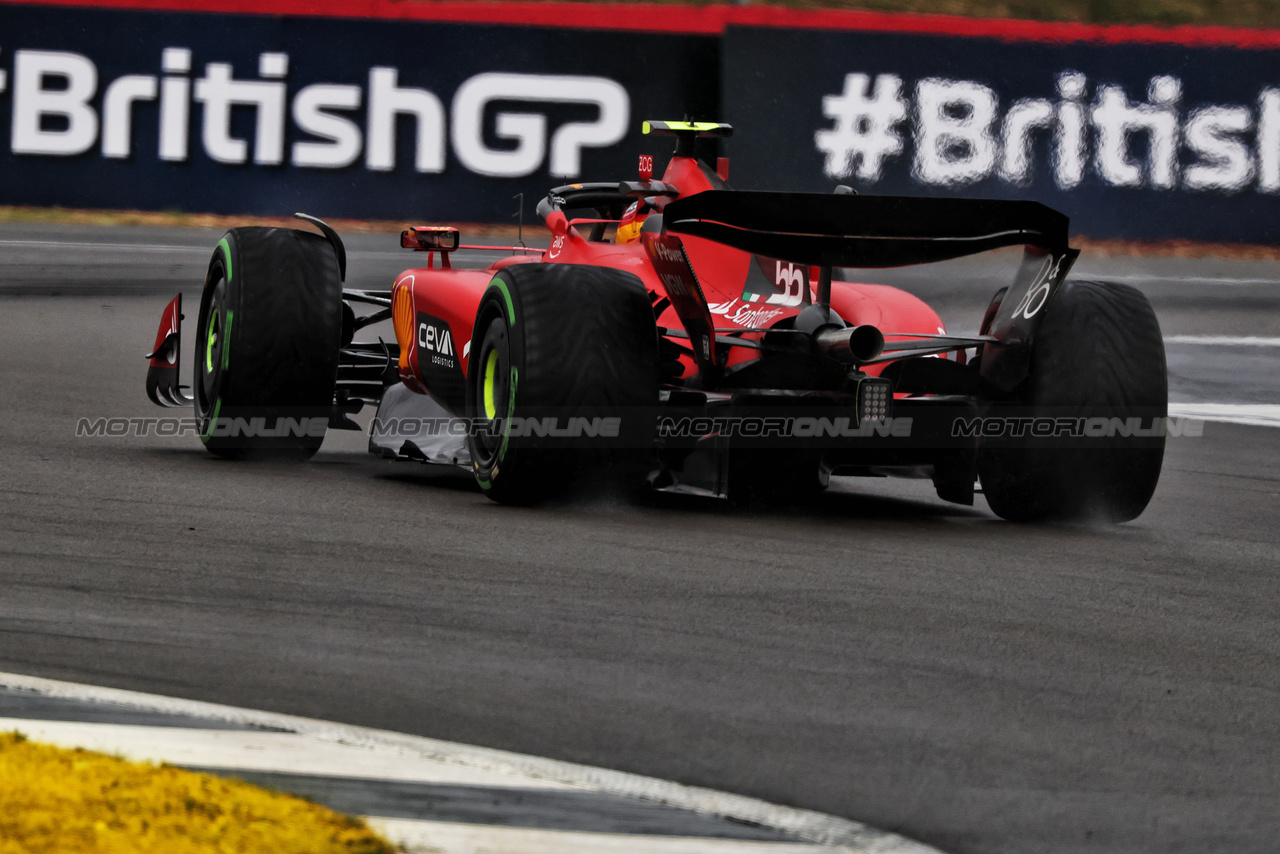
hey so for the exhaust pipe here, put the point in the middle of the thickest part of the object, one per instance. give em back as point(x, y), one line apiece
point(853, 344)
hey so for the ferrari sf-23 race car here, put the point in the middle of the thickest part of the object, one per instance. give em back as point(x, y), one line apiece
point(689, 337)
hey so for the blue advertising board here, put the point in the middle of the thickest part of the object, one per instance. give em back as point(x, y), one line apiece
point(1139, 139)
point(267, 108)
point(265, 114)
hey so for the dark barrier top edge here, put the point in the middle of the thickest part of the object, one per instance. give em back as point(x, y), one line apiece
point(633, 17)
point(699, 20)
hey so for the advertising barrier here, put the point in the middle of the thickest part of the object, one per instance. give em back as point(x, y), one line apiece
point(446, 111)
point(242, 113)
point(1131, 139)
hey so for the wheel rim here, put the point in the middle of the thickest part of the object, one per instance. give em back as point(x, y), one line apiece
point(211, 345)
point(492, 391)
point(490, 378)
point(214, 345)
point(211, 340)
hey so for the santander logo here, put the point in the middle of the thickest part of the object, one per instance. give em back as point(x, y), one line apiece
point(745, 314)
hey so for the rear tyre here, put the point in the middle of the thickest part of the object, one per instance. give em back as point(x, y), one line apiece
point(569, 343)
point(267, 342)
point(1097, 358)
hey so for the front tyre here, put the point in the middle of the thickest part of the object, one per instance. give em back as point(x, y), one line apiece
point(267, 342)
point(562, 380)
point(1097, 362)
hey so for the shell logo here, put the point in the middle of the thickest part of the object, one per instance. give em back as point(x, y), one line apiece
point(402, 315)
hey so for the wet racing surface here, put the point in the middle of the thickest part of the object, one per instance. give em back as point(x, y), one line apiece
point(882, 655)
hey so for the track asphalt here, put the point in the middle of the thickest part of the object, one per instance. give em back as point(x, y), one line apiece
point(880, 656)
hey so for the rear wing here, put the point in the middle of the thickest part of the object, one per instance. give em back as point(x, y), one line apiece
point(824, 230)
point(828, 231)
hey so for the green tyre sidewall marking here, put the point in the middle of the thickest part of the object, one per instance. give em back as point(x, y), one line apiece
point(511, 407)
point(226, 254)
point(506, 294)
point(225, 246)
point(213, 419)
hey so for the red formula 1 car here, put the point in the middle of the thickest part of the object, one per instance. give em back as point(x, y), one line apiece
point(692, 337)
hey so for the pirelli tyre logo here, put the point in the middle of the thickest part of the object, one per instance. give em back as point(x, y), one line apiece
point(61, 107)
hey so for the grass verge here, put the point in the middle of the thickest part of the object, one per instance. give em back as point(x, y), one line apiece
point(59, 801)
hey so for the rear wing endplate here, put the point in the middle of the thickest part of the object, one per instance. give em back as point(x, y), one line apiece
point(821, 230)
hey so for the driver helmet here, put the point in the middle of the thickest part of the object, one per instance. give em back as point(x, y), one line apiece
point(632, 219)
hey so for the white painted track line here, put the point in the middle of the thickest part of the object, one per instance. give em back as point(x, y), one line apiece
point(817, 829)
point(442, 837)
point(279, 752)
point(1223, 340)
point(103, 247)
point(1253, 414)
point(289, 753)
point(393, 250)
point(1151, 278)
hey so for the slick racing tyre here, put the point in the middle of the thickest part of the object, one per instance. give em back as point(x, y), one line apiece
point(1098, 383)
point(562, 380)
point(266, 354)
